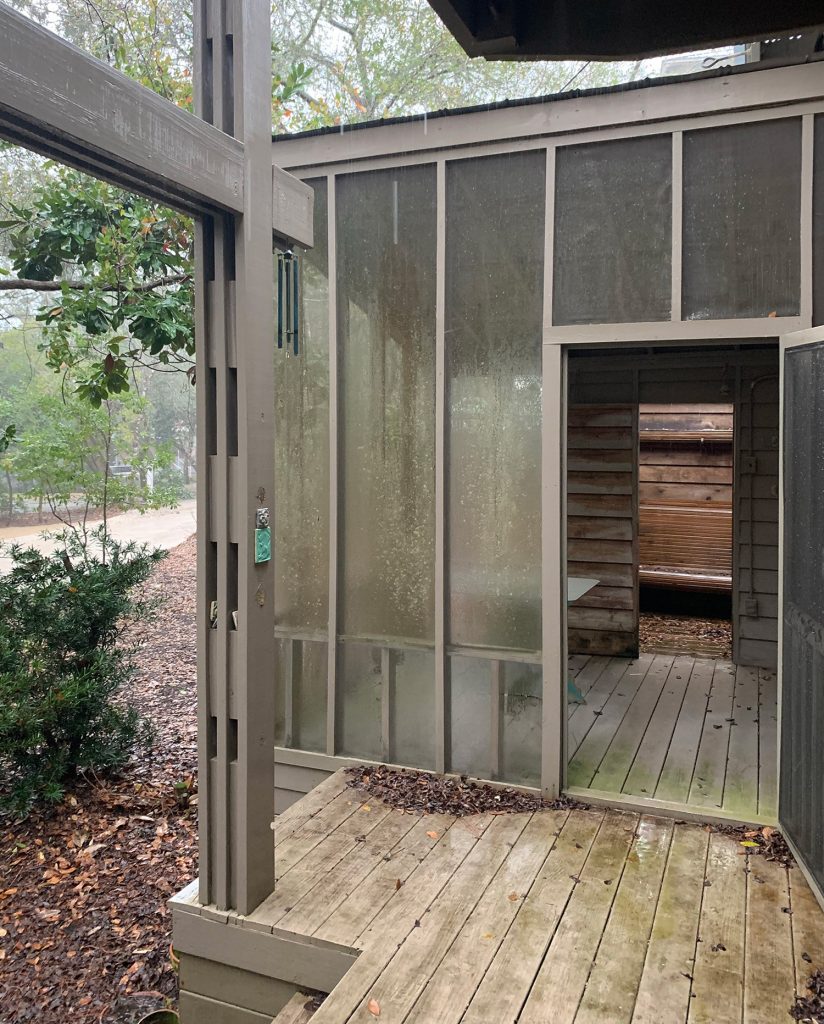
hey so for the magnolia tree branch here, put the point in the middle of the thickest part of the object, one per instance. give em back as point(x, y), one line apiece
point(10, 284)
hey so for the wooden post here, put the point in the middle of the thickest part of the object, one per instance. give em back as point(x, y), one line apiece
point(235, 375)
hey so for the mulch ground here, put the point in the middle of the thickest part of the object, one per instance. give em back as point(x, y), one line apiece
point(84, 928)
point(685, 634)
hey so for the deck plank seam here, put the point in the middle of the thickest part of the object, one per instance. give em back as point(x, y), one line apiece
point(729, 737)
point(359, 939)
point(626, 714)
point(575, 886)
point(597, 767)
point(357, 844)
point(672, 730)
point(698, 931)
point(524, 897)
point(690, 800)
point(399, 949)
point(632, 663)
point(698, 744)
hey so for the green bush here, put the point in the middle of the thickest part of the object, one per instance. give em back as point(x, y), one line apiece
point(63, 660)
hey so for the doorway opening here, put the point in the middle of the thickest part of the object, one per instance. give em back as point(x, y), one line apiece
point(685, 492)
point(672, 576)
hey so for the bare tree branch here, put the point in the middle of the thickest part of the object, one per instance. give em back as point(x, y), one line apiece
point(10, 284)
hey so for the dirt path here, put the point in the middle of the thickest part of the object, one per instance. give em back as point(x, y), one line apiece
point(163, 528)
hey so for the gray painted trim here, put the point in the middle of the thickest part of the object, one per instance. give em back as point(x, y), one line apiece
point(725, 98)
point(59, 100)
point(677, 220)
point(443, 753)
point(287, 956)
point(332, 632)
point(664, 808)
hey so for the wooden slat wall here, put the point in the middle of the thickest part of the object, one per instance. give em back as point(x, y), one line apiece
point(713, 375)
point(602, 528)
point(685, 488)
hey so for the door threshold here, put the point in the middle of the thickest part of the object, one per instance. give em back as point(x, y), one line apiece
point(667, 808)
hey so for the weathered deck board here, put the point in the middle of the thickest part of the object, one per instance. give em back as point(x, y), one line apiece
point(584, 763)
point(507, 982)
point(718, 978)
point(569, 916)
point(711, 766)
point(309, 911)
point(768, 742)
point(583, 717)
point(616, 972)
point(453, 983)
point(664, 991)
point(562, 977)
point(702, 733)
point(679, 766)
point(808, 933)
point(649, 758)
point(614, 768)
point(769, 970)
point(741, 784)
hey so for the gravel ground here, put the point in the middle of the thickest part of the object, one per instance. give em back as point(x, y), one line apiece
point(84, 929)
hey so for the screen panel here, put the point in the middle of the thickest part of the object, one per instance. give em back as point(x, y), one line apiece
point(742, 212)
point(801, 798)
point(300, 534)
point(494, 308)
point(386, 357)
point(612, 259)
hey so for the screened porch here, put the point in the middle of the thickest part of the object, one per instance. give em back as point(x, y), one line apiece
point(433, 501)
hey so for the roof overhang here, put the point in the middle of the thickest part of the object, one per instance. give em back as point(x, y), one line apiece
point(615, 29)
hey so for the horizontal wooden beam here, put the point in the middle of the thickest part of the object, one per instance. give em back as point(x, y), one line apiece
point(293, 205)
point(59, 101)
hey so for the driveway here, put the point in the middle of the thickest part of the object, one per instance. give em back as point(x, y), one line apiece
point(164, 528)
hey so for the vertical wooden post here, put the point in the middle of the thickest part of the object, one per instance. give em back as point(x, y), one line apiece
point(443, 730)
point(235, 377)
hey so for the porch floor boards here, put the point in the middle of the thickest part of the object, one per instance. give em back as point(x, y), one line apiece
point(691, 730)
point(571, 916)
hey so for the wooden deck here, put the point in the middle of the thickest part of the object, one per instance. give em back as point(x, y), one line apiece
point(696, 731)
point(570, 916)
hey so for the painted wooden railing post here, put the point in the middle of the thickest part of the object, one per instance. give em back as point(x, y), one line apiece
point(235, 378)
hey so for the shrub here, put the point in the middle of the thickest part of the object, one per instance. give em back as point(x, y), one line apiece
point(63, 659)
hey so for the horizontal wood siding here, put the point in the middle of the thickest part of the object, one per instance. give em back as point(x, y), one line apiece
point(602, 532)
point(756, 512)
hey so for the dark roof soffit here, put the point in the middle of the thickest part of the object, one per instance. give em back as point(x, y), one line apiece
point(615, 29)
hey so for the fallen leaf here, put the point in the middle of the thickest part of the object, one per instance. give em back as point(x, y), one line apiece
point(398, 884)
point(749, 843)
point(374, 1007)
point(432, 835)
point(487, 935)
point(513, 897)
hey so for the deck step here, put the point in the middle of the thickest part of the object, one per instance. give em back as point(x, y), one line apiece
point(298, 1010)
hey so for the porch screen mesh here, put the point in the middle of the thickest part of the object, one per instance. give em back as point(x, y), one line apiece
point(613, 226)
point(301, 538)
point(742, 211)
point(494, 284)
point(386, 361)
point(802, 701)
